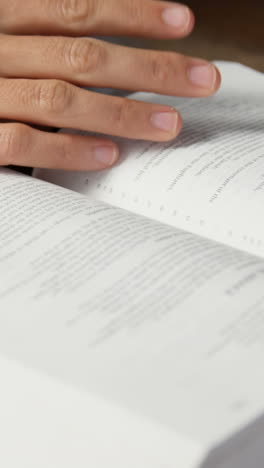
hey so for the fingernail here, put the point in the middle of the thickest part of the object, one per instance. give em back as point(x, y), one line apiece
point(105, 155)
point(202, 75)
point(167, 121)
point(177, 16)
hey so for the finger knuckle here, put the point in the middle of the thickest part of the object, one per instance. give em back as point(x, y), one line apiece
point(162, 68)
point(13, 138)
point(75, 12)
point(122, 114)
point(54, 96)
point(65, 150)
point(84, 56)
point(135, 12)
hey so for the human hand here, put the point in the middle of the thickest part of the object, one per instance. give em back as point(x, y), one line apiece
point(45, 58)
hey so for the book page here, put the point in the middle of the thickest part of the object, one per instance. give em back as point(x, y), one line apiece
point(163, 323)
point(51, 256)
point(57, 426)
point(210, 180)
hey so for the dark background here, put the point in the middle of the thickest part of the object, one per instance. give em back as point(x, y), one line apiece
point(229, 30)
point(225, 30)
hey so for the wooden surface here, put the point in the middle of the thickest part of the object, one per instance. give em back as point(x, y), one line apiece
point(225, 30)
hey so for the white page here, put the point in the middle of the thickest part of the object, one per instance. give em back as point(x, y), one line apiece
point(51, 424)
point(210, 180)
point(45, 424)
point(160, 322)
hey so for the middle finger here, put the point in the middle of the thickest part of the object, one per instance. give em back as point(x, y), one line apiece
point(91, 62)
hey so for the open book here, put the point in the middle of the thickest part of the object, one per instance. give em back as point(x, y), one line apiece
point(132, 312)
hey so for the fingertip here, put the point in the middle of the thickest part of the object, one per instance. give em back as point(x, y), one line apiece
point(179, 19)
point(167, 123)
point(218, 80)
point(191, 23)
point(116, 154)
point(178, 126)
point(204, 77)
point(106, 155)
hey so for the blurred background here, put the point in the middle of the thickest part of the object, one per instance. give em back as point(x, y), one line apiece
point(225, 30)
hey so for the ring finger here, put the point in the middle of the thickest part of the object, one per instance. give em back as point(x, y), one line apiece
point(60, 104)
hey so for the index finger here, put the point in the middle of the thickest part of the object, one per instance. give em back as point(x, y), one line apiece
point(145, 18)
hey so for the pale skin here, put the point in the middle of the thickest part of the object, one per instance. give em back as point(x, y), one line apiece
point(48, 52)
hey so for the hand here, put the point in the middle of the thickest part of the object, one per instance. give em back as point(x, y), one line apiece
point(43, 64)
